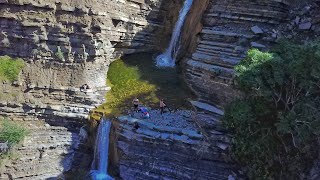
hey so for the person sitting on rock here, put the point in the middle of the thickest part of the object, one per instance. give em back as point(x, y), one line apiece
point(135, 103)
point(145, 112)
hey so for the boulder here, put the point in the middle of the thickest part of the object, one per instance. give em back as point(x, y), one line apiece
point(4, 147)
point(256, 30)
point(305, 26)
point(257, 45)
point(297, 20)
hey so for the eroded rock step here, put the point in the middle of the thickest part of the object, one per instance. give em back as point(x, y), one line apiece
point(45, 153)
point(164, 152)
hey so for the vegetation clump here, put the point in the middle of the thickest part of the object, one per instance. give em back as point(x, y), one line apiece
point(276, 125)
point(59, 54)
point(10, 68)
point(11, 132)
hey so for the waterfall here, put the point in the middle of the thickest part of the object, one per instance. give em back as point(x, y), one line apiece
point(99, 165)
point(167, 59)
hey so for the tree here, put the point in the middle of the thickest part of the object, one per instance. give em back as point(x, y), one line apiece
point(282, 107)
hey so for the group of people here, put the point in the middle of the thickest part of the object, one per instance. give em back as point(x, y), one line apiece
point(144, 110)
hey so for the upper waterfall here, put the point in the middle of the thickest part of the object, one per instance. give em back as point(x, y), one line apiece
point(100, 162)
point(167, 59)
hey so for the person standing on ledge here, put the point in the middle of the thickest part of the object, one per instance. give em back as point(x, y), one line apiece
point(162, 106)
point(135, 103)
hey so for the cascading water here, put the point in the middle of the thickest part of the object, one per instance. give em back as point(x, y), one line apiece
point(167, 59)
point(100, 161)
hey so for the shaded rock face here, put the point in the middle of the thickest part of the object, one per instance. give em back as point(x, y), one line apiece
point(192, 27)
point(223, 41)
point(230, 28)
point(169, 16)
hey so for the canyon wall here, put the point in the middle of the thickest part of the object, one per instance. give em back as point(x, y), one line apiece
point(230, 28)
point(67, 47)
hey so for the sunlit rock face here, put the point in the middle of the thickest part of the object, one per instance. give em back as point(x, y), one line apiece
point(80, 38)
point(67, 47)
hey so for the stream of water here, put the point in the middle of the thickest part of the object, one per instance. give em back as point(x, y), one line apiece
point(167, 59)
point(99, 165)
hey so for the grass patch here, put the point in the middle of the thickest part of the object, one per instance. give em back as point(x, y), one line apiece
point(137, 76)
point(126, 83)
point(11, 132)
point(10, 68)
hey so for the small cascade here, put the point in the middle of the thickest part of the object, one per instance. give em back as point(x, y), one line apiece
point(99, 165)
point(167, 59)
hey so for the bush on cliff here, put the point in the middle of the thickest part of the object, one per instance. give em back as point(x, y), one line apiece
point(10, 68)
point(276, 126)
point(11, 132)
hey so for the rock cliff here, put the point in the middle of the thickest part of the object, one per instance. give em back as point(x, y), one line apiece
point(39, 156)
point(160, 151)
point(230, 28)
point(223, 41)
point(67, 47)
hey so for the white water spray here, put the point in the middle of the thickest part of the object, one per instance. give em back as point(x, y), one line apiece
point(167, 59)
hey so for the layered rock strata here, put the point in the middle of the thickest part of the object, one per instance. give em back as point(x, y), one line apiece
point(165, 152)
point(229, 29)
point(67, 47)
point(45, 153)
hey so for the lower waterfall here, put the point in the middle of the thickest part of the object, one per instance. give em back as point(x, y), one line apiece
point(99, 165)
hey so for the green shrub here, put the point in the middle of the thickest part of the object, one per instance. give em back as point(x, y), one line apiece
point(11, 132)
point(277, 124)
point(59, 54)
point(10, 68)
